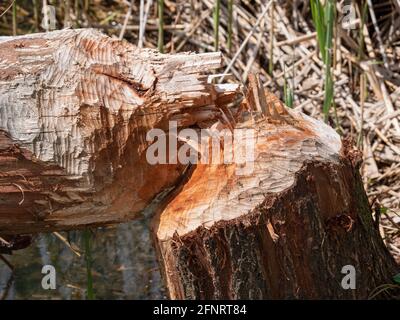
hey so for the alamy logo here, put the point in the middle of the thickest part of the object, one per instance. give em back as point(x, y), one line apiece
point(205, 146)
point(349, 17)
point(49, 280)
point(349, 280)
point(49, 17)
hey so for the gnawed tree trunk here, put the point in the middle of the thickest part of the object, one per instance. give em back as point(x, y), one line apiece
point(285, 229)
point(75, 108)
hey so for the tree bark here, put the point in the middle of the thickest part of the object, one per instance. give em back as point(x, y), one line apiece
point(283, 231)
point(75, 108)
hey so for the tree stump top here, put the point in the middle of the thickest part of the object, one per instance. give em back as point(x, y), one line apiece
point(217, 192)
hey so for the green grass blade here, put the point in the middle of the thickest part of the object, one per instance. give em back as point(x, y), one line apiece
point(324, 18)
point(271, 41)
point(396, 278)
point(330, 17)
point(230, 22)
point(217, 10)
point(161, 26)
point(317, 13)
point(328, 98)
point(287, 92)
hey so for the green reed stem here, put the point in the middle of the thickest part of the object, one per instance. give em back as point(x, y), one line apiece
point(317, 12)
point(324, 18)
point(230, 22)
point(271, 40)
point(330, 18)
point(217, 10)
point(287, 91)
point(161, 26)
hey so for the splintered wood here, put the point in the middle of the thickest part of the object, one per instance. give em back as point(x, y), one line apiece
point(285, 228)
point(217, 193)
point(75, 107)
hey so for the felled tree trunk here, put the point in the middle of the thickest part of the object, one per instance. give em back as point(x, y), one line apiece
point(75, 108)
point(284, 230)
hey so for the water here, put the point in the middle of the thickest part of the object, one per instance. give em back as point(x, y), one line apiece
point(124, 266)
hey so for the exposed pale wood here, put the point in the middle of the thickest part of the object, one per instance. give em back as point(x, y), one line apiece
point(284, 229)
point(75, 107)
point(216, 192)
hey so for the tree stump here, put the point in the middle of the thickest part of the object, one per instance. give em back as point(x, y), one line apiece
point(285, 230)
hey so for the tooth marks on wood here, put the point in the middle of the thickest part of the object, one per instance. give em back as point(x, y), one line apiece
point(75, 107)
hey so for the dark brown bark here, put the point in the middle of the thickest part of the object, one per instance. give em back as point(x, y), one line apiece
point(294, 243)
point(293, 246)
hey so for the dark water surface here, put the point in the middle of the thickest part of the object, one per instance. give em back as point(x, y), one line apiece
point(124, 266)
